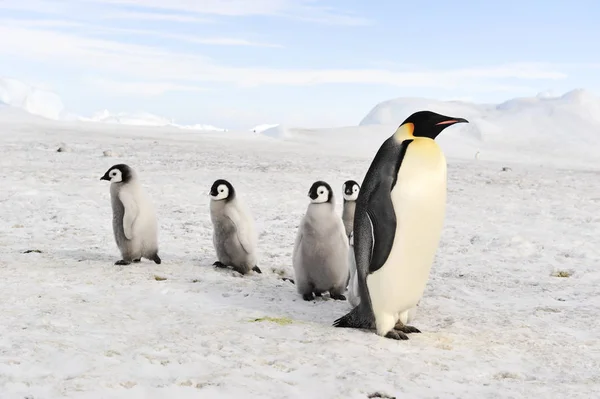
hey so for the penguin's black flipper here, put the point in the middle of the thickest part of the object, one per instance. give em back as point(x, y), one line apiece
point(380, 211)
point(356, 318)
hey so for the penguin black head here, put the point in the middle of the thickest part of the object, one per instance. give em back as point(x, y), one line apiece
point(119, 173)
point(222, 190)
point(350, 190)
point(320, 192)
point(429, 124)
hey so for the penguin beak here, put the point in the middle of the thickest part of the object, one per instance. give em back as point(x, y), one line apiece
point(105, 177)
point(452, 121)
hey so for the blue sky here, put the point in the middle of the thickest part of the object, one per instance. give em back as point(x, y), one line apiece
point(311, 63)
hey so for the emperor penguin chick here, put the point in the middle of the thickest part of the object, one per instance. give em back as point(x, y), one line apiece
point(134, 219)
point(350, 190)
point(234, 235)
point(320, 256)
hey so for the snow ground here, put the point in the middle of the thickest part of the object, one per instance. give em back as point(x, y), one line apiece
point(495, 322)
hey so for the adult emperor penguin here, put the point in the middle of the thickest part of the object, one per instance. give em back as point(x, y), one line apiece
point(398, 221)
point(134, 219)
point(350, 190)
point(234, 235)
point(320, 255)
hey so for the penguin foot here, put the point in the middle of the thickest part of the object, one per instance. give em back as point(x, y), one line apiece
point(308, 297)
point(337, 297)
point(137, 260)
point(397, 335)
point(122, 262)
point(291, 280)
point(318, 294)
point(257, 269)
point(157, 259)
point(406, 329)
point(220, 265)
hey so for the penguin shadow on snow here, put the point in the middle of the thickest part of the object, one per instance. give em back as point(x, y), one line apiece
point(268, 295)
point(85, 256)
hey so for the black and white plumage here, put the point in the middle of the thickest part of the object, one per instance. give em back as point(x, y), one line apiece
point(353, 291)
point(320, 256)
point(135, 226)
point(234, 235)
point(350, 190)
point(398, 221)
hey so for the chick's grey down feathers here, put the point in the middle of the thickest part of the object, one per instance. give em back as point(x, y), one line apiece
point(234, 237)
point(320, 257)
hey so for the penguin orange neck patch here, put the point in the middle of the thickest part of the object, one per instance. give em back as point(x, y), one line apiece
point(404, 132)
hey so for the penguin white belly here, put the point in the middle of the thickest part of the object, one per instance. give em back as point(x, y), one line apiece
point(419, 199)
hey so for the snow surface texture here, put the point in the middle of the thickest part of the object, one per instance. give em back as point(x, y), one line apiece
point(496, 322)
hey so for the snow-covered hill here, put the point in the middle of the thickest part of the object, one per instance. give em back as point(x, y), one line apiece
point(33, 100)
point(47, 104)
point(542, 129)
point(566, 126)
point(143, 119)
point(265, 126)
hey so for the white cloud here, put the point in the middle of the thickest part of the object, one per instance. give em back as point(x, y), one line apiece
point(150, 63)
point(218, 41)
point(39, 6)
point(89, 28)
point(193, 10)
point(146, 16)
point(214, 7)
point(138, 88)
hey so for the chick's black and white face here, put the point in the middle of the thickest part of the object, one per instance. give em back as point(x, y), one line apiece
point(319, 193)
point(220, 190)
point(350, 190)
point(115, 176)
point(120, 173)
